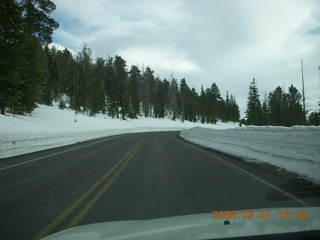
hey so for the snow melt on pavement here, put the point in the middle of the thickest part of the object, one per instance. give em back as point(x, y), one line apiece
point(296, 149)
point(50, 127)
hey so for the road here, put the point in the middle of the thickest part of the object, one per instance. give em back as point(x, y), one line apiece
point(134, 176)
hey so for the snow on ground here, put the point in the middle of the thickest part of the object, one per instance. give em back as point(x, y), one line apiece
point(296, 149)
point(50, 127)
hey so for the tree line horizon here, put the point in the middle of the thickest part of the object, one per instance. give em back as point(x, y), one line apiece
point(32, 72)
point(108, 86)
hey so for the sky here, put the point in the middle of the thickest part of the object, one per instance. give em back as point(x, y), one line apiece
point(227, 42)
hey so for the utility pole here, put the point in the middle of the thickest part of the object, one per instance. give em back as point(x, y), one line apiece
point(319, 84)
point(303, 97)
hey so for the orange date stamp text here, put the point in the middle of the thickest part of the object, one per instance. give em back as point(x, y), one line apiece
point(284, 214)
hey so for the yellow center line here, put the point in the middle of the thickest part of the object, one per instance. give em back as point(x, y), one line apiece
point(74, 205)
point(92, 202)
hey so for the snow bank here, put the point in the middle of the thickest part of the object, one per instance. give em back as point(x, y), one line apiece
point(296, 149)
point(50, 127)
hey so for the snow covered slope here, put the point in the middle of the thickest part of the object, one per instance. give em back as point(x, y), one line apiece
point(296, 149)
point(50, 127)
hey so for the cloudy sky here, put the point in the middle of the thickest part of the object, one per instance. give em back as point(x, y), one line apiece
point(227, 42)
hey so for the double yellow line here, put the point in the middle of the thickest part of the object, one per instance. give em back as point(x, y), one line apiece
point(117, 168)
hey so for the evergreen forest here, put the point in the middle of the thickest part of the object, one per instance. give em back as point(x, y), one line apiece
point(32, 71)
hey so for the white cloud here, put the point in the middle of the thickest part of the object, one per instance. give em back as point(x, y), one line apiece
point(163, 59)
point(227, 42)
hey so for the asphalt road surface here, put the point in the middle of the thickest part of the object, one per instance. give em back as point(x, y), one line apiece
point(132, 177)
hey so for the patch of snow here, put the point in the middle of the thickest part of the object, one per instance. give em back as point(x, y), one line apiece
point(296, 149)
point(50, 127)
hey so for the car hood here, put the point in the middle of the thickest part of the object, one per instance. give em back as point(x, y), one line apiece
point(197, 226)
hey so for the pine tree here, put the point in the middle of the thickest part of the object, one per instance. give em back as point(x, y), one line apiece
point(96, 89)
point(202, 105)
point(84, 65)
point(188, 102)
point(25, 26)
point(295, 109)
point(314, 118)
point(37, 21)
point(285, 109)
point(122, 87)
point(11, 36)
point(276, 107)
point(209, 111)
point(46, 95)
point(194, 99)
point(38, 28)
point(111, 88)
point(30, 75)
point(218, 103)
point(135, 91)
point(174, 99)
point(147, 91)
point(184, 92)
point(227, 112)
point(159, 99)
point(66, 73)
point(265, 112)
point(253, 112)
point(59, 77)
point(234, 111)
point(214, 104)
point(165, 95)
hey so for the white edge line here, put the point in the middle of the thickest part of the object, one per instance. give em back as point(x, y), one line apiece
point(54, 154)
point(254, 176)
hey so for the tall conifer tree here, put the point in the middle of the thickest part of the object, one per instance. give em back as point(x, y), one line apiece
point(253, 112)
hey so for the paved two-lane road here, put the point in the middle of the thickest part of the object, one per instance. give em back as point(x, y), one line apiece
point(134, 176)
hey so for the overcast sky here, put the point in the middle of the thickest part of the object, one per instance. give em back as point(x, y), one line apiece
point(204, 41)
